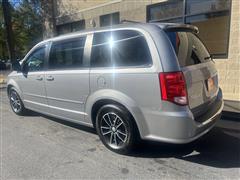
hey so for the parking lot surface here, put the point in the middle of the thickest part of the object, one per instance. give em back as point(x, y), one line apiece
point(41, 147)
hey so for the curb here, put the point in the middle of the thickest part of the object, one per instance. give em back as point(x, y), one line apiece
point(231, 116)
point(3, 84)
point(231, 110)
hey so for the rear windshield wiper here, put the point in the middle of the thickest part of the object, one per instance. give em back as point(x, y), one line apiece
point(209, 57)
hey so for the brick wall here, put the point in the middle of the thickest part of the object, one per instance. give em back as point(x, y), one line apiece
point(229, 69)
point(91, 10)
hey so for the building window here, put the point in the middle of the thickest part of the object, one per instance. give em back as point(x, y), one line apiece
point(200, 6)
point(71, 27)
point(166, 10)
point(212, 17)
point(109, 19)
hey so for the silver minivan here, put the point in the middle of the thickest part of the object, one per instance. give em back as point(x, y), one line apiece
point(151, 81)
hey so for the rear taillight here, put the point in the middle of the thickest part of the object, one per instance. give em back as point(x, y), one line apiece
point(173, 87)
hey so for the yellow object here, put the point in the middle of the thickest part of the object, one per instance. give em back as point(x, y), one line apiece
point(2, 79)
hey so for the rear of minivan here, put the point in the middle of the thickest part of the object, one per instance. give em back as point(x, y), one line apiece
point(191, 99)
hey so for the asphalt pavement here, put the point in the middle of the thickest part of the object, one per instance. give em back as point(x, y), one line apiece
point(41, 147)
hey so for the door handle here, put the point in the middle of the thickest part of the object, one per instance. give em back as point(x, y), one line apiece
point(40, 78)
point(50, 78)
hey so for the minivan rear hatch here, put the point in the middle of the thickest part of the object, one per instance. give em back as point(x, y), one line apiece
point(198, 69)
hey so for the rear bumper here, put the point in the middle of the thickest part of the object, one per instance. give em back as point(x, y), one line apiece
point(180, 127)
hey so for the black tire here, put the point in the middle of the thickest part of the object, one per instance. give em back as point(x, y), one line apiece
point(16, 102)
point(112, 132)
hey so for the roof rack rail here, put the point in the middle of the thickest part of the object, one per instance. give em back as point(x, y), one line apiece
point(154, 21)
point(129, 21)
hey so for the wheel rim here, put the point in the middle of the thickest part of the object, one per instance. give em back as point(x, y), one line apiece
point(15, 101)
point(113, 130)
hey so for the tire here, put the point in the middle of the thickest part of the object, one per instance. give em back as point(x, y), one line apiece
point(16, 102)
point(116, 128)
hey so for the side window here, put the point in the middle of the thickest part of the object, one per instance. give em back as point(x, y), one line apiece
point(120, 49)
point(35, 61)
point(67, 54)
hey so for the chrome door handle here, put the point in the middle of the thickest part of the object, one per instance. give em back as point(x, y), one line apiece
point(40, 78)
point(50, 78)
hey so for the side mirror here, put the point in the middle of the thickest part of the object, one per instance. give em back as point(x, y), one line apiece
point(16, 66)
point(25, 68)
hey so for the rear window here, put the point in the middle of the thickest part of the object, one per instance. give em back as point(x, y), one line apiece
point(189, 48)
point(121, 48)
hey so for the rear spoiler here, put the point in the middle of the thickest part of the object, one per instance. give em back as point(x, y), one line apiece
point(178, 27)
point(184, 27)
point(169, 26)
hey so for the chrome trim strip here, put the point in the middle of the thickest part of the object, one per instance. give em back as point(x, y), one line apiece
point(53, 107)
point(52, 98)
point(34, 95)
point(63, 118)
point(65, 100)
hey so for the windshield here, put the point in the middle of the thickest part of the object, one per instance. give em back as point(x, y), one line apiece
point(189, 48)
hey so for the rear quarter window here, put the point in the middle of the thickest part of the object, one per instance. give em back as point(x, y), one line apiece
point(120, 48)
point(188, 48)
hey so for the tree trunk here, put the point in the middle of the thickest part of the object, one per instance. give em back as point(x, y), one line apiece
point(9, 33)
point(4, 53)
point(49, 24)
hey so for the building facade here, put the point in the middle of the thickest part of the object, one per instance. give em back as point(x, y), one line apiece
point(217, 20)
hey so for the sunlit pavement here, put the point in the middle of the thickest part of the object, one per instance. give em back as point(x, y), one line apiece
point(40, 147)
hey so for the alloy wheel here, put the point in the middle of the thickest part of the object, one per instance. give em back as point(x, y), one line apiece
point(113, 130)
point(15, 102)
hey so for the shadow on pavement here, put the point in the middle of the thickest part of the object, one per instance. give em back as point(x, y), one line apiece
point(64, 122)
point(219, 148)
